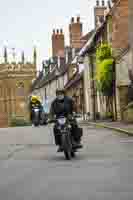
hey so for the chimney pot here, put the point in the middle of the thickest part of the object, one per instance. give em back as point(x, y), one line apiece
point(78, 19)
point(109, 4)
point(97, 3)
point(53, 31)
point(103, 3)
point(72, 20)
point(57, 31)
point(61, 31)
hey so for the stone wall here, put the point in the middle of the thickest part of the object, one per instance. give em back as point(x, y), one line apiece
point(128, 115)
point(122, 69)
point(88, 87)
point(122, 101)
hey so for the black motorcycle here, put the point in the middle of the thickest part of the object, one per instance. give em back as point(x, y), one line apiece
point(36, 116)
point(44, 119)
point(64, 129)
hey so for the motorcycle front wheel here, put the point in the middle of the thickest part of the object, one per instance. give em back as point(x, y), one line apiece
point(67, 147)
point(36, 122)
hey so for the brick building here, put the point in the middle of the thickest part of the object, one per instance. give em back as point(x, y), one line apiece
point(121, 47)
point(114, 30)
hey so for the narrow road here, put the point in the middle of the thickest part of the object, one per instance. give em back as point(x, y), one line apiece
point(30, 168)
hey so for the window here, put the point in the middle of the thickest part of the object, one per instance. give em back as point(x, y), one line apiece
point(20, 89)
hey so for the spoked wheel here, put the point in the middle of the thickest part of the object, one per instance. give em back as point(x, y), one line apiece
point(66, 143)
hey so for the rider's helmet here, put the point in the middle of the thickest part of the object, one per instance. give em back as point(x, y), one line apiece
point(34, 99)
point(60, 93)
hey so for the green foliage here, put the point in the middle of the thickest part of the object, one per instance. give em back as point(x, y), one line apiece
point(104, 76)
point(104, 69)
point(109, 115)
point(19, 122)
point(103, 52)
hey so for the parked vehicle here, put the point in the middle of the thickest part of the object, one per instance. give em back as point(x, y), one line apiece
point(36, 116)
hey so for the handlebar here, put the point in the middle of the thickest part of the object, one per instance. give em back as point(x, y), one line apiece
point(51, 121)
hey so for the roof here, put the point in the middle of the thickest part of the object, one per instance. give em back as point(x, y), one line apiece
point(37, 81)
point(89, 44)
point(43, 80)
point(93, 35)
point(85, 48)
point(90, 37)
point(86, 37)
point(53, 76)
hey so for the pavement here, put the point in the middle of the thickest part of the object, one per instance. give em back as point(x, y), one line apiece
point(30, 168)
point(126, 128)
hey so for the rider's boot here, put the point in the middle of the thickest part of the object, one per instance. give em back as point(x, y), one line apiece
point(77, 144)
point(60, 149)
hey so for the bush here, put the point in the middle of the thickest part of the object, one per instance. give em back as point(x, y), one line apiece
point(104, 75)
point(18, 122)
point(104, 70)
point(103, 52)
point(109, 115)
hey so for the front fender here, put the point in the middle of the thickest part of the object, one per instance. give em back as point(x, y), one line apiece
point(66, 142)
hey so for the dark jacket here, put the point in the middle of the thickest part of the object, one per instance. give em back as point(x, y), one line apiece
point(62, 107)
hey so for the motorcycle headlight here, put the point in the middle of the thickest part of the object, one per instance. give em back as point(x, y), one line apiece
point(62, 121)
point(36, 110)
point(69, 126)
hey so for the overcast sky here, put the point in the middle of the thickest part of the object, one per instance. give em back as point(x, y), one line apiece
point(25, 23)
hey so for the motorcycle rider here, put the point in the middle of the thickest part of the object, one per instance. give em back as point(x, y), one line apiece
point(35, 102)
point(64, 105)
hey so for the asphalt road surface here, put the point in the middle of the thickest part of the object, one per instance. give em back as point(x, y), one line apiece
point(30, 168)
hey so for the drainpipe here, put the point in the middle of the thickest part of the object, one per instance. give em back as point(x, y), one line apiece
point(93, 87)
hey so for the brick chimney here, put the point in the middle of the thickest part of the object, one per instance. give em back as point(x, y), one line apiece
point(130, 22)
point(120, 33)
point(99, 11)
point(58, 43)
point(75, 32)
